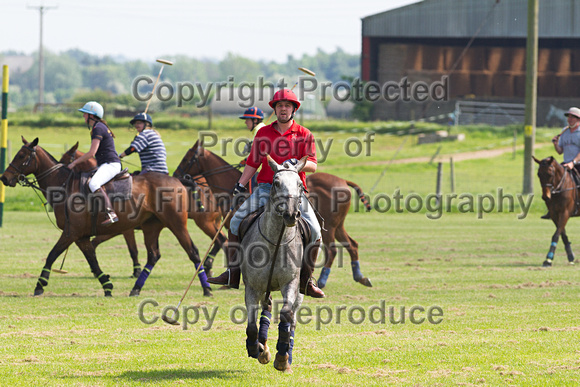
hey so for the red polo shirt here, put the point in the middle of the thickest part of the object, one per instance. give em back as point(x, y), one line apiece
point(295, 143)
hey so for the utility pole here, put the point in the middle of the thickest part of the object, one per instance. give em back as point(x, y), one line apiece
point(531, 94)
point(41, 8)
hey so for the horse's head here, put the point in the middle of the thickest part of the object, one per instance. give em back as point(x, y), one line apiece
point(71, 155)
point(550, 173)
point(190, 164)
point(24, 163)
point(287, 190)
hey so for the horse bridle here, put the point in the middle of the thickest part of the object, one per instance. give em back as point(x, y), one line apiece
point(289, 197)
point(32, 156)
point(558, 189)
point(211, 172)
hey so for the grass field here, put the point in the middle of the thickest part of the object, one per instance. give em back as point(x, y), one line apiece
point(506, 320)
point(473, 177)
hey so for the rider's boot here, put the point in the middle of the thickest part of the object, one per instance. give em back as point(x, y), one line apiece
point(307, 285)
point(111, 215)
point(230, 277)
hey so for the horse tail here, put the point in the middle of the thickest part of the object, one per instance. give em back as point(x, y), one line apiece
point(360, 193)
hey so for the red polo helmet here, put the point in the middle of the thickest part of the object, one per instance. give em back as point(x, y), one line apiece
point(284, 95)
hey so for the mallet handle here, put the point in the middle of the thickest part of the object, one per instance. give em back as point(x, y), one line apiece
point(154, 86)
point(205, 255)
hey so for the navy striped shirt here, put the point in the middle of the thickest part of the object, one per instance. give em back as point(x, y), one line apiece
point(151, 151)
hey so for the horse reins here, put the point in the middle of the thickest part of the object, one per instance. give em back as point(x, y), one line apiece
point(559, 189)
point(225, 168)
point(211, 172)
point(267, 296)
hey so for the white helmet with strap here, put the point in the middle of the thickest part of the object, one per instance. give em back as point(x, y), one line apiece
point(94, 108)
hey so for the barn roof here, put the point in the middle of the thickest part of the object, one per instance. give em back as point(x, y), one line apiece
point(462, 19)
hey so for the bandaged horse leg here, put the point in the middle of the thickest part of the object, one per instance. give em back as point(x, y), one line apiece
point(568, 247)
point(265, 320)
point(281, 362)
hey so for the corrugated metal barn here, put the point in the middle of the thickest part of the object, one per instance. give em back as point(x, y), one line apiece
point(428, 40)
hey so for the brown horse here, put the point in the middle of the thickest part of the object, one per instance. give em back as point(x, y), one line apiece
point(201, 211)
point(560, 193)
point(329, 194)
point(156, 202)
point(129, 235)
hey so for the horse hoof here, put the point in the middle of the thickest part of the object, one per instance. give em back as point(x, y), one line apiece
point(570, 262)
point(207, 292)
point(281, 362)
point(365, 281)
point(108, 293)
point(547, 263)
point(136, 273)
point(134, 292)
point(38, 292)
point(265, 356)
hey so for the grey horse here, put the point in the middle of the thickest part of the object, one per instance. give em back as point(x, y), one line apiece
point(276, 226)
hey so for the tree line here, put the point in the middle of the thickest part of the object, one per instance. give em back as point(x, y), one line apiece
point(72, 75)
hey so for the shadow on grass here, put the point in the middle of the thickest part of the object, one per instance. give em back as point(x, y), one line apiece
point(178, 374)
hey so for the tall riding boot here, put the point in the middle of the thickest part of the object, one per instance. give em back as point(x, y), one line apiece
point(111, 215)
point(230, 277)
point(307, 286)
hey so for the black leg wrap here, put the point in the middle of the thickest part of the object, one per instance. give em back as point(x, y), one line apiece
point(105, 281)
point(42, 282)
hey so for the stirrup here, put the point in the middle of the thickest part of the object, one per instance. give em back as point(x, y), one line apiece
point(111, 218)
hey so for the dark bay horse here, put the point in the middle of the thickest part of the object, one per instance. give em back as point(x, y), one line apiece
point(155, 203)
point(68, 157)
point(560, 193)
point(330, 195)
point(201, 210)
point(272, 251)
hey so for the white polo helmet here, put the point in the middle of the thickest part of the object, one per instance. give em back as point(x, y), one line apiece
point(94, 108)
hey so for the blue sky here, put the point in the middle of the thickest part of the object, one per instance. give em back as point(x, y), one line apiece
point(150, 29)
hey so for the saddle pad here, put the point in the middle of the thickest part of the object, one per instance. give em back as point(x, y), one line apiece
point(118, 188)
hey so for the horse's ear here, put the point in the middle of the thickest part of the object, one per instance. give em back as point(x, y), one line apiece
point(24, 140)
point(274, 165)
point(198, 144)
point(536, 160)
point(34, 143)
point(74, 148)
point(301, 164)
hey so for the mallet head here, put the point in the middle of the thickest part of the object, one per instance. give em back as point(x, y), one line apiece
point(169, 320)
point(305, 70)
point(165, 62)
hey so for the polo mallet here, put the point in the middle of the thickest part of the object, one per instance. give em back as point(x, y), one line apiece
point(60, 271)
point(304, 70)
point(163, 63)
point(171, 320)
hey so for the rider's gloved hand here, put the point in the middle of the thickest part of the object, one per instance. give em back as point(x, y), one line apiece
point(290, 163)
point(238, 188)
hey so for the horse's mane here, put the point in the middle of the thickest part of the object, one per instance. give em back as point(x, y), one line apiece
point(48, 154)
point(208, 152)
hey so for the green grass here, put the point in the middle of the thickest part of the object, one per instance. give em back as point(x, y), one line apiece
point(506, 320)
point(473, 177)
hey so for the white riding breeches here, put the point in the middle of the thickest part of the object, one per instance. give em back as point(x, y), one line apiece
point(105, 173)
